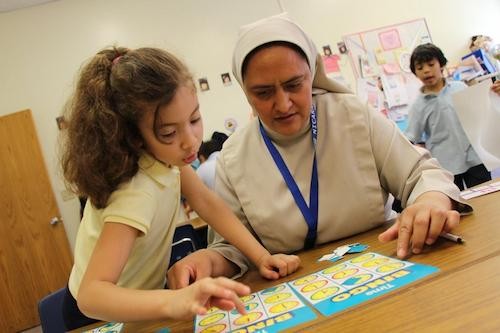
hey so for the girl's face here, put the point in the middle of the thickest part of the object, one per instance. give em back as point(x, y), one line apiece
point(179, 129)
point(278, 85)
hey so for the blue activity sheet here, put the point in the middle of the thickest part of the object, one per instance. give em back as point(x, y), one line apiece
point(365, 277)
point(329, 291)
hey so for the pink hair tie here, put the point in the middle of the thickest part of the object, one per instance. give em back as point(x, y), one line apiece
point(115, 60)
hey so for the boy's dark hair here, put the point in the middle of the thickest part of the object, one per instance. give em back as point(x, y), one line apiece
point(219, 137)
point(426, 52)
point(213, 145)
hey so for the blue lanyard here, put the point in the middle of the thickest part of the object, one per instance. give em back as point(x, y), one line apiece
point(310, 212)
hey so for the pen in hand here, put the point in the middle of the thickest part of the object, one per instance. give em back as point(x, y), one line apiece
point(452, 237)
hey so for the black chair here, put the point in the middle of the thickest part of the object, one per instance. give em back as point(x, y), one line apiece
point(50, 311)
point(185, 242)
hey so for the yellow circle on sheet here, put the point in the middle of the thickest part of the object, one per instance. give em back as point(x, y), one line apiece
point(282, 307)
point(375, 262)
point(345, 273)
point(390, 267)
point(247, 298)
point(277, 297)
point(214, 329)
point(305, 280)
point(211, 319)
point(324, 293)
point(362, 258)
point(272, 290)
point(314, 286)
point(334, 269)
point(248, 318)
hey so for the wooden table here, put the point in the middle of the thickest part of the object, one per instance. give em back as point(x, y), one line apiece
point(463, 296)
point(198, 223)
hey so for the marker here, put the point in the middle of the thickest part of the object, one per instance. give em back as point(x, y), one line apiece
point(452, 237)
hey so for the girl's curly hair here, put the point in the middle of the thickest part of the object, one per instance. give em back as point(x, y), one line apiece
point(102, 144)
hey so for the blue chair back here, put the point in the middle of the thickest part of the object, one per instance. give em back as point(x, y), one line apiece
point(50, 311)
point(185, 242)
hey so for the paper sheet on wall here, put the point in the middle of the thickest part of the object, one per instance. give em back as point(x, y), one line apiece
point(478, 109)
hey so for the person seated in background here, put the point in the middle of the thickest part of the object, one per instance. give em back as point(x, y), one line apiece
point(433, 115)
point(209, 150)
point(317, 164)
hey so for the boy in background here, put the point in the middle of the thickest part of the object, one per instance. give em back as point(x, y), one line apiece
point(433, 117)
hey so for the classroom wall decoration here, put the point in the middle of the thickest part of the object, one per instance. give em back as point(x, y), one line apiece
point(386, 49)
point(230, 124)
point(380, 58)
point(226, 79)
point(203, 82)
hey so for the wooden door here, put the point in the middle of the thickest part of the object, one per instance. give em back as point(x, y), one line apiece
point(35, 258)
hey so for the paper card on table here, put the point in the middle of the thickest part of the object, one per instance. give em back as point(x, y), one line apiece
point(107, 328)
point(335, 258)
point(357, 248)
point(341, 250)
point(478, 109)
point(271, 310)
point(352, 282)
point(481, 190)
point(327, 257)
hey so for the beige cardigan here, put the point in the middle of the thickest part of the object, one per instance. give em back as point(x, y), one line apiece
point(361, 155)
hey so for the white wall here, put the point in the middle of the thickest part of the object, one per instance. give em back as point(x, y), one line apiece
point(41, 48)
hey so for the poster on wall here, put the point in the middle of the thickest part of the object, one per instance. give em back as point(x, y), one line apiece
point(386, 45)
point(383, 55)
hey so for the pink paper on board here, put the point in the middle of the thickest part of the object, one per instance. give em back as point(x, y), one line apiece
point(331, 63)
point(391, 68)
point(389, 39)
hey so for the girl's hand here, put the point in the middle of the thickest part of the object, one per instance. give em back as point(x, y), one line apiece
point(200, 296)
point(273, 267)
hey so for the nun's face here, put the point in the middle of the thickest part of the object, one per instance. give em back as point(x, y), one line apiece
point(278, 85)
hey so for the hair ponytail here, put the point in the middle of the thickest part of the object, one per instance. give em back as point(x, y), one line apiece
point(103, 142)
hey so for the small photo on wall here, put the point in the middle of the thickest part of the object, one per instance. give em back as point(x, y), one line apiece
point(61, 123)
point(226, 79)
point(342, 47)
point(327, 51)
point(203, 82)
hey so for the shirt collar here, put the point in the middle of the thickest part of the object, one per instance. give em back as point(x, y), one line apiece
point(287, 139)
point(155, 169)
point(433, 94)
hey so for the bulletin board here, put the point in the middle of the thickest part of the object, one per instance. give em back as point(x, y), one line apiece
point(380, 60)
point(386, 49)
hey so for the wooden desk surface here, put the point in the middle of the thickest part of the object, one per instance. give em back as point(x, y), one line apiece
point(198, 223)
point(464, 295)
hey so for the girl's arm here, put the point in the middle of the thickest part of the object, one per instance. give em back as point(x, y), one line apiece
point(218, 215)
point(99, 297)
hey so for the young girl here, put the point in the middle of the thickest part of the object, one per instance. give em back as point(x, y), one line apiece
point(134, 128)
